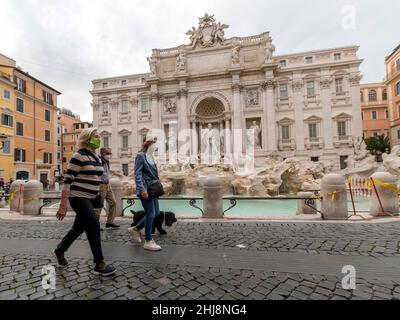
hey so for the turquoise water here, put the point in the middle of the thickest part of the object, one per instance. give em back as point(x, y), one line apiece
point(244, 208)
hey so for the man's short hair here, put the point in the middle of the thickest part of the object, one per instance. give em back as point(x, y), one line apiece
point(104, 150)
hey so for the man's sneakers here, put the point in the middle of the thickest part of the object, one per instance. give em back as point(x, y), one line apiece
point(62, 262)
point(135, 234)
point(112, 226)
point(151, 246)
point(108, 270)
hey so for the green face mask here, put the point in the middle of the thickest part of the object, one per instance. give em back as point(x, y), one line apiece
point(94, 143)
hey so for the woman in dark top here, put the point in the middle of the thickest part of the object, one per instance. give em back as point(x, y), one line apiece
point(81, 188)
point(146, 174)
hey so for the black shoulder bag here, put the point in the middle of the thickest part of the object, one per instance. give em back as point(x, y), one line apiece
point(155, 190)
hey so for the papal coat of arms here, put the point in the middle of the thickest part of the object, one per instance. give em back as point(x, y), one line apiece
point(208, 33)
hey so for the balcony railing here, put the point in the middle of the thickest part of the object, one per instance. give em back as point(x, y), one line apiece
point(317, 143)
point(340, 141)
point(287, 144)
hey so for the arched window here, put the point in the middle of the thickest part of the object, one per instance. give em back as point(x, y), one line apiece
point(372, 95)
point(384, 95)
point(397, 88)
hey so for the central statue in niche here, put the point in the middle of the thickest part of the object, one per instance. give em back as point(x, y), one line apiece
point(210, 145)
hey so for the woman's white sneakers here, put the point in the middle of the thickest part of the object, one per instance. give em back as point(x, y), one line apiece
point(135, 234)
point(151, 246)
point(148, 245)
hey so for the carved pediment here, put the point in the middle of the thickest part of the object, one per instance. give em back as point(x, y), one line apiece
point(313, 119)
point(285, 120)
point(105, 133)
point(124, 132)
point(342, 116)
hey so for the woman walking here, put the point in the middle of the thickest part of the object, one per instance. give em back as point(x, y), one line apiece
point(148, 189)
point(81, 188)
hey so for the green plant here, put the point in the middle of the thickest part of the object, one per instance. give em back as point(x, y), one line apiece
point(378, 145)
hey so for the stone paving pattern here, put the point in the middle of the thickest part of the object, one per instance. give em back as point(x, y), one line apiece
point(21, 277)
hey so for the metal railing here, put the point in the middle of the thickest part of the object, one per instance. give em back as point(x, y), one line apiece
point(192, 201)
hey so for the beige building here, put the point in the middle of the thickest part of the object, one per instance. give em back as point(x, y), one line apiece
point(305, 104)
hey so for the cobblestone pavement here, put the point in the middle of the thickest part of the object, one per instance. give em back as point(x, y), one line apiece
point(21, 273)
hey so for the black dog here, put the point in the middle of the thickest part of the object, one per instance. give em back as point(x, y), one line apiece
point(167, 217)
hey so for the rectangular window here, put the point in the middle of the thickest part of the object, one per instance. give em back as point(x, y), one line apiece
point(374, 115)
point(285, 133)
point(124, 82)
point(398, 134)
point(20, 105)
point(282, 63)
point(312, 130)
point(309, 60)
point(339, 85)
point(342, 129)
point(6, 146)
point(7, 120)
point(124, 106)
point(315, 159)
point(144, 105)
point(58, 143)
point(19, 129)
point(47, 115)
point(47, 158)
point(47, 97)
point(398, 111)
point(105, 85)
point(105, 108)
point(21, 85)
point(58, 155)
point(337, 56)
point(6, 94)
point(125, 169)
point(387, 114)
point(106, 143)
point(398, 64)
point(362, 115)
point(125, 142)
point(47, 135)
point(19, 155)
point(283, 91)
point(310, 88)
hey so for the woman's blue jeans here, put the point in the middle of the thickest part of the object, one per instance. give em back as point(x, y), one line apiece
point(152, 211)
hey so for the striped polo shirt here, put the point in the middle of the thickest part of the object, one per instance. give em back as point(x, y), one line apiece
point(84, 173)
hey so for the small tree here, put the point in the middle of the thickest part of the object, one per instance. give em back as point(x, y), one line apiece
point(378, 145)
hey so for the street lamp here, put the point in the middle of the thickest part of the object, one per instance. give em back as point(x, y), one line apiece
point(3, 139)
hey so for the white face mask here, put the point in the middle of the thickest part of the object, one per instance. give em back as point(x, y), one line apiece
point(153, 148)
point(107, 157)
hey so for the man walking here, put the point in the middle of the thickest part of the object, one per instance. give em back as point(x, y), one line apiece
point(105, 189)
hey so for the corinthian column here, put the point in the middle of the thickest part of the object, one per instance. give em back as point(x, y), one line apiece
point(356, 104)
point(237, 120)
point(269, 123)
point(298, 113)
point(155, 111)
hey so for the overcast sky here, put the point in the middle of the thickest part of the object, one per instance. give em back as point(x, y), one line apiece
point(69, 43)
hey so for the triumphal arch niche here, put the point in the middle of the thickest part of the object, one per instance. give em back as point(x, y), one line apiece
point(219, 85)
